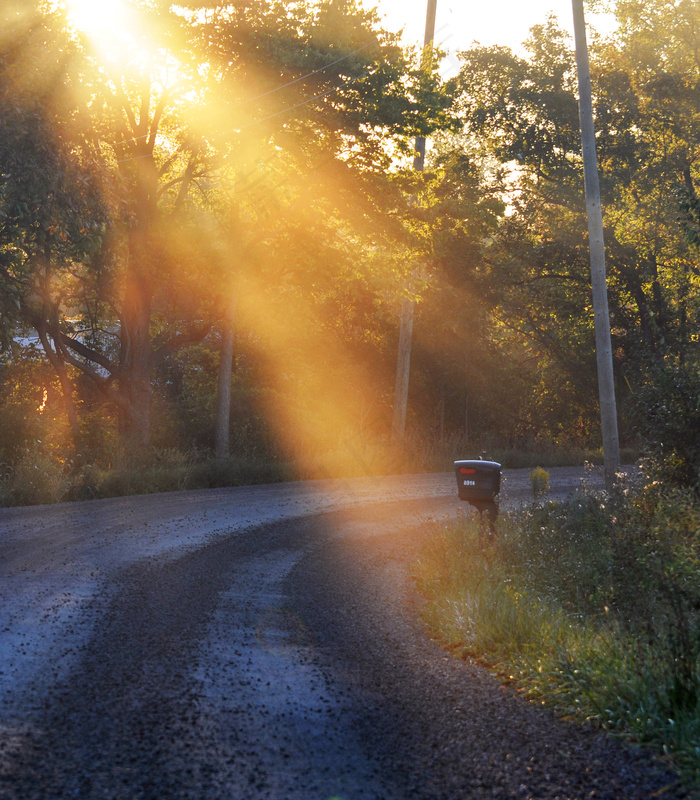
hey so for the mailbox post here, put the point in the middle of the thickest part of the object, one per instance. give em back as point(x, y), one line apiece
point(479, 482)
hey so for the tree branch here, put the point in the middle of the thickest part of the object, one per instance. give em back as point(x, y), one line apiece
point(86, 352)
point(192, 336)
point(102, 383)
point(549, 276)
point(184, 186)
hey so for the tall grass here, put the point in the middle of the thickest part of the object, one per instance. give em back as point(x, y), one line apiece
point(45, 475)
point(423, 453)
point(38, 478)
point(591, 606)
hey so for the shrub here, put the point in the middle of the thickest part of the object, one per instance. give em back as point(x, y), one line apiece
point(539, 480)
point(36, 478)
point(592, 605)
point(667, 405)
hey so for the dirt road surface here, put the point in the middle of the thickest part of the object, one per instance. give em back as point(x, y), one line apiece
point(262, 642)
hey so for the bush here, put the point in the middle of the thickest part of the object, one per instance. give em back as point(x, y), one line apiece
point(667, 405)
point(36, 478)
point(539, 480)
point(592, 605)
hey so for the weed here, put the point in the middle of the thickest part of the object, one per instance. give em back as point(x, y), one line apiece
point(539, 480)
point(36, 478)
point(592, 606)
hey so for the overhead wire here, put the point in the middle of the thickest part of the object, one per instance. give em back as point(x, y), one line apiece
point(299, 105)
point(267, 94)
point(301, 77)
point(263, 119)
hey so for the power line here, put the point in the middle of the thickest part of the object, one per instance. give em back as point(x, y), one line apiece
point(301, 78)
point(299, 105)
point(277, 88)
point(270, 116)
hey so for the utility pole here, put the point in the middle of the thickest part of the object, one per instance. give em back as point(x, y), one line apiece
point(403, 363)
point(222, 422)
point(606, 384)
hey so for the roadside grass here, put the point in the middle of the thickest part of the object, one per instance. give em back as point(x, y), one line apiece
point(150, 478)
point(39, 479)
point(590, 606)
point(41, 475)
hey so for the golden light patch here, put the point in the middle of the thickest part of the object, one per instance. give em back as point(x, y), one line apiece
point(107, 23)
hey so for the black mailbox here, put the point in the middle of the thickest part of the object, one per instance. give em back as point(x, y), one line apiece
point(479, 482)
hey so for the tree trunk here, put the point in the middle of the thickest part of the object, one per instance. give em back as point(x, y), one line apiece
point(645, 319)
point(69, 406)
point(442, 413)
point(466, 412)
point(403, 368)
point(137, 359)
point(138, 423)
point(223, 394)
point(55, 357)
point(137, 350)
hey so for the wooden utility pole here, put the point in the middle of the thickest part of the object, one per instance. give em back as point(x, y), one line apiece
point(403, 362)
point(403, 368)
point(222, 422)
point(426, 58)
point(606, 384)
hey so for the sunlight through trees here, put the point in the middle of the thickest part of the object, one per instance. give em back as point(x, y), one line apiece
point(208, 216)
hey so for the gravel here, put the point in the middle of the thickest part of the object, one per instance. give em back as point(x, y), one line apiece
point(263, 643)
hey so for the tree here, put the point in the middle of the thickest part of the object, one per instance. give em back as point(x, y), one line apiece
point(51, 211)
point(333, 159)
point(179, 127)
point(524, 110)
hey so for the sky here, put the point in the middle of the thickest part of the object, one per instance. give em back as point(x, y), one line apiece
point(489, 22)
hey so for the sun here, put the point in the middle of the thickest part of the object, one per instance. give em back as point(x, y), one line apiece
point(107, 23)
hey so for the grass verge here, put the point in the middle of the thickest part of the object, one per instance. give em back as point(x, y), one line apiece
point(40, 479)
point(42, 476)
point(590, 607)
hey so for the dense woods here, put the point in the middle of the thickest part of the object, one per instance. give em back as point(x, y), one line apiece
point(209, 220)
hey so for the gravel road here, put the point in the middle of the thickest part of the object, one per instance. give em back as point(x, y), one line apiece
point(262, 643)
